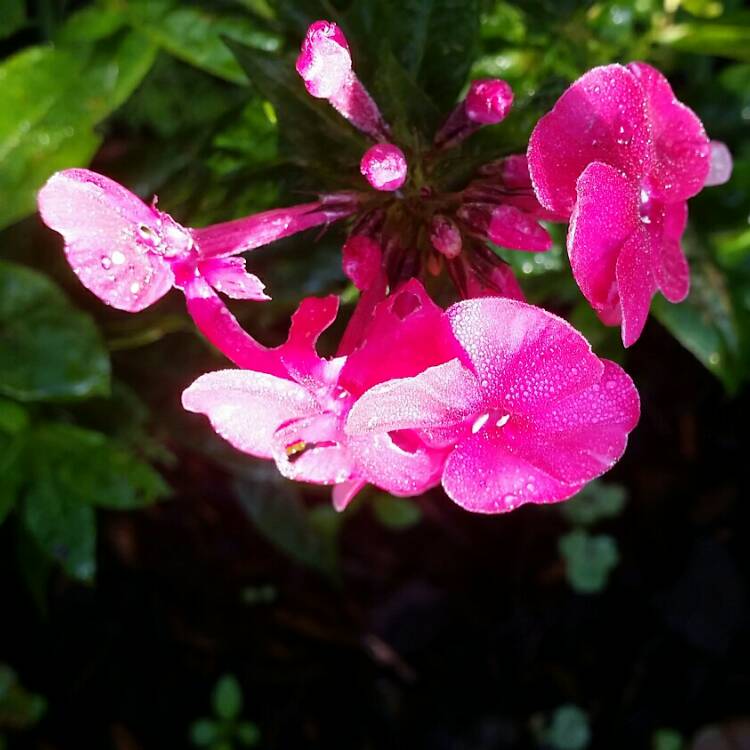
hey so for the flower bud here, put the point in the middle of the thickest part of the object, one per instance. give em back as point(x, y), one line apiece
point(324, 61)
point(489, 100)
point(384, 167)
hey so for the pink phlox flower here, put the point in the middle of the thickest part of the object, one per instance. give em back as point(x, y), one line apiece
point(296, 414)
point(526, 413)
point(129, 254)
point(325, 65)
point(488, 102)
point(621, 155)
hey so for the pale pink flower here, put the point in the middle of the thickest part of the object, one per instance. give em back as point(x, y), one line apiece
point(525, 414)
point(621, 156)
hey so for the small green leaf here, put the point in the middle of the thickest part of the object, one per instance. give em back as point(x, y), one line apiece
point(204, 732)
point(196, 34)
point(19, 708)
point(588, 559)
point(48, 349)
point(667, 739)
point(12, 17)
point(227, 697)
point(248, 734)
point(709, 38)
point(595, 502)
point(568, 729)
point(396, 513)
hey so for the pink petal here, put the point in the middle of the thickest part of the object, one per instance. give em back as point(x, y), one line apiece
point(310, 450)
point(361, 318)
point(445, 236)
point(681, 147)
point(228, 276)
point(512, 228)
point(500, 281)
point(606, 214)
point(525, 358)
point(671, 269)
point(345, 492)
point(240, 235)
point(220, 327)
point(720, 170)
point(601, 117)
point(583, 435)
point(408, 332)
point(636, 283)
point(483, 476)
point(246, 408)
point(104, 227)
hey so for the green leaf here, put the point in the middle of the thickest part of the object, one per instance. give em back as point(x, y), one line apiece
point(19, 708)
point(595, 502)
point(721, 39)
point(13, 425)
point(12, 17)
point(48, 349)
point(396, 513)
point(312, 134)
point(568, 729)
point(706, 325)
point(588, 560)
point(667, 739)
point(204, 732)
point(50, 100)
point(248, 734)
point(195, 34)
point(227, 697)
point(90, 24)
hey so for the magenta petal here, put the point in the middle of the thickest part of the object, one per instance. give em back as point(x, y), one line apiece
point(220, 327)
point(483, 476)
point(103, 225)
point(636, 283)
point(601, 117)
point(345, 492)
point(324, 61)
point(228, 276)
point(524, 357)
point(407, 333)
point(606, 214)
point(681, 147)
point(583, 435)
point(671, 269)
point(721, 164)
point(362, 260)
point(309, 450)
point(246, 408)
point(512, 228)
point(233, 237)
point(500, 281)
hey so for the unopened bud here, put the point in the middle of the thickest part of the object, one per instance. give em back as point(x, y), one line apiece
point(445, 236)
point(489, 100)
point(324, 60)
point(384, 167)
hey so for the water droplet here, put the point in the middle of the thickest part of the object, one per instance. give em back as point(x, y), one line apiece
point(118, 258)
point(135, 287)
point(503, 420)
point(480, 422)
point(106, 262)
point(484, 384)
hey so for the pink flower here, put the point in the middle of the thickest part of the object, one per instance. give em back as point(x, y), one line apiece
point(296, 414)
point(325, 65)
point(622, 155)
point(525, 413)
point(130, 254)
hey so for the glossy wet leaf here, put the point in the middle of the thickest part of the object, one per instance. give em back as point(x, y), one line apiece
point(50, 100)
point(196, 34)
point(48, 349)
point(227, 697)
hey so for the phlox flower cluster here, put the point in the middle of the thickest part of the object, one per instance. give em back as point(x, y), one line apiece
point(501, 402)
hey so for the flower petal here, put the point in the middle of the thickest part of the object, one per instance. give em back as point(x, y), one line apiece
point(682, 152)
point(601, 117)
point(524, 357)
point(671, 268)
point(606, 214)
point(100, 221)
point(228, 276)
point(512, 228)
point(246, 408)
point(636, 282)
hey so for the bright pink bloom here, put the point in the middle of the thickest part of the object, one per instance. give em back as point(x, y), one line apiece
point(487, 102)
point(296, 414)
point(325, 65)
point(130, 254)
point(526, 413)
point(622, 155)
point(384, 167)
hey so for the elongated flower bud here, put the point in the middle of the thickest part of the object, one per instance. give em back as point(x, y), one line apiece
point(445, 236)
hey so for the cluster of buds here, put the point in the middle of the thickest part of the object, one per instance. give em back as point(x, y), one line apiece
point(499, 401)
